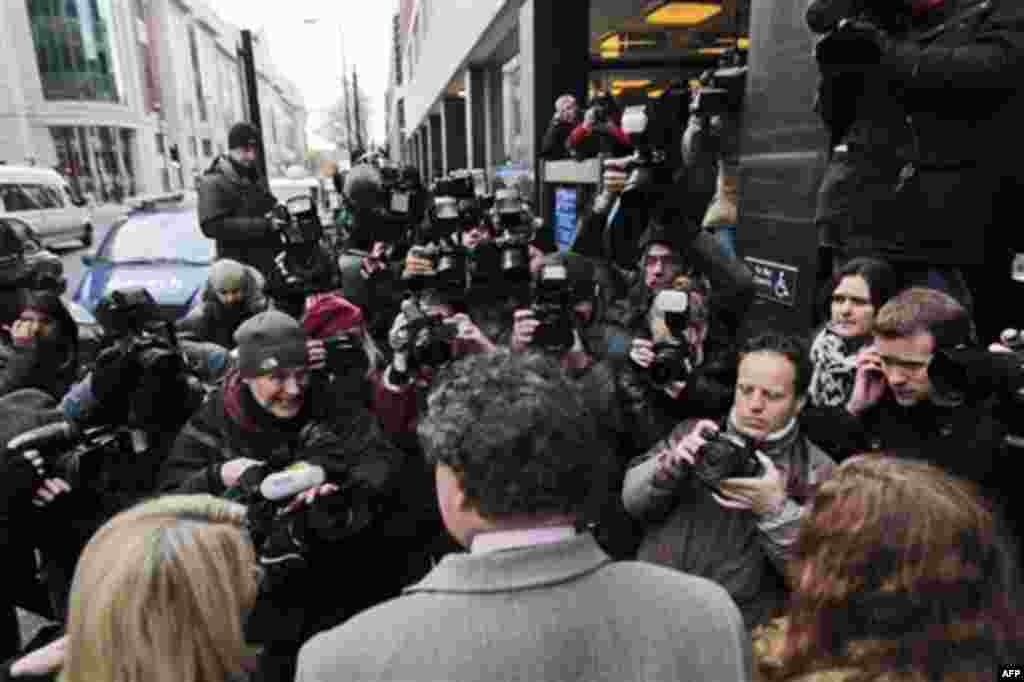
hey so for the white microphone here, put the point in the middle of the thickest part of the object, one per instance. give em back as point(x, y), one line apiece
point(292, 481)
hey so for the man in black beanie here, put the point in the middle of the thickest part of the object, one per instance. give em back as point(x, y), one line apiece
point(234, 201)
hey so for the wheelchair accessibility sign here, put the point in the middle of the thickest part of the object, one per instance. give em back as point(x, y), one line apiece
point(774, 281)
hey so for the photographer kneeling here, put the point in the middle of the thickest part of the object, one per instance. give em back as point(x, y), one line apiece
point(268, 417)
point(726, 501)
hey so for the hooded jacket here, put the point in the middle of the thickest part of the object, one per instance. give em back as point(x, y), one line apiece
point(232, 210)
point(211, 321)
point(50, 363)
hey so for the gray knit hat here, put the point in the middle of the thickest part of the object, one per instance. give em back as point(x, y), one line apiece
point(268, 341)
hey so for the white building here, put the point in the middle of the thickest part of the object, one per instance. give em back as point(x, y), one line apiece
point(133, 96)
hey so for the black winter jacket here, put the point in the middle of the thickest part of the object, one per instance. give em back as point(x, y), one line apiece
point(946, 96)
point(232, 210)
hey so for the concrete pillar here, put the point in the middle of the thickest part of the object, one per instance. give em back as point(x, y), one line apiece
point(476, 117)
point(436, 146)
point(495, 120)
point(550, 33)
point(453, 113)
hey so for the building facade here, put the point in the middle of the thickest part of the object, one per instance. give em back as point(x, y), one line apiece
point(475, 80)
point(133, 96)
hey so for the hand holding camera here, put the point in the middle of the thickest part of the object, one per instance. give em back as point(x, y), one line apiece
point(469, 333)
point(524, 326)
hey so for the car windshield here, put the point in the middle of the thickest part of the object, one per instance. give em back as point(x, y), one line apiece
point(165, 236)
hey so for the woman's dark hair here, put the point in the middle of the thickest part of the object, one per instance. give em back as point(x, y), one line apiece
point(882, 281)
point(901, 567)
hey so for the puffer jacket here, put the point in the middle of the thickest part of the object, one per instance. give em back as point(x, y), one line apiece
point(232, 210)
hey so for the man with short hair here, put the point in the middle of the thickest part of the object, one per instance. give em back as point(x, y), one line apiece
point(738, 531)
point(895, 407)
point(234, 201)
point(517, 456)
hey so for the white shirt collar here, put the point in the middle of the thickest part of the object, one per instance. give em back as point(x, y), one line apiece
point(498, 540)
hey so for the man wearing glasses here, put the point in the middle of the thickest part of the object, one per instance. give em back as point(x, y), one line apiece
point(897, 408)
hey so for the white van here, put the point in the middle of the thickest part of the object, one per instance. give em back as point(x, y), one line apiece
point(42, 198)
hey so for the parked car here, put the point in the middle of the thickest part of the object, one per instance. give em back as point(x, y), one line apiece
point(158, 246)
point(43, 263)
point(42, 198)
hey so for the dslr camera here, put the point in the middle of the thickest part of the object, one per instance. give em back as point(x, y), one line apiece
point(430, 337)
point(128, 314)
point(672, 358)
point(304, 266)
point(552, 308)
point(726, 455)
point(722, 89)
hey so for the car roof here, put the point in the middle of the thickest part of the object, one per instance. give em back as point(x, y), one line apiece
point(29, 174)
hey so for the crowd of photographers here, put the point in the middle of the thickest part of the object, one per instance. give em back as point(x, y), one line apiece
point(299, 385)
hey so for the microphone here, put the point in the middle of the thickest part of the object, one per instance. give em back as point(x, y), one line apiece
point(291, 481)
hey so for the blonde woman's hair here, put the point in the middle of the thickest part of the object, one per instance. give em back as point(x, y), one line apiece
point(160, 594)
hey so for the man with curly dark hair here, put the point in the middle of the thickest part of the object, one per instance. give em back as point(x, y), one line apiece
point(515, 446)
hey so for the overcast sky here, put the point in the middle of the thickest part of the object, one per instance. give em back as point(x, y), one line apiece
point(310, 54)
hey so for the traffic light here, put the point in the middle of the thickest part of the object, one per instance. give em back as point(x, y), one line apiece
point(175, 156)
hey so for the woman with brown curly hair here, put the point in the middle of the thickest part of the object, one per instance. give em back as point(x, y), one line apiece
point(901, 575)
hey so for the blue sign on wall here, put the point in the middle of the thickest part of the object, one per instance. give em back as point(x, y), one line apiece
point(565, 217)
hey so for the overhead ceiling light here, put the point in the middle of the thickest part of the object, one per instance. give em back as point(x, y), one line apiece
point(630, 84)
point(654, 94)
point(714, 50)
point(682, 13)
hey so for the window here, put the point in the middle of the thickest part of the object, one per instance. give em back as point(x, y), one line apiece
point(197, 76)
point(15, 199)
point(194, 146)
point(160, 143)
point(74, 52)
point(40, 196)
point(207, 147)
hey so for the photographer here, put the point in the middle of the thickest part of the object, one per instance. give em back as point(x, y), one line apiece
point(726, 501)
point(269, 415)
point(44, 350)
point(674, 371)
point(600, 131)
point(668, 252)
point(369, 277)
point(922, 101)
point(567, 289)
point(565, 120)
point(233, 294)
point(428, 334)
point(234, 202)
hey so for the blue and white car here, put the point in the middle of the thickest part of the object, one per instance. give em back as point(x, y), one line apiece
point(159, 247)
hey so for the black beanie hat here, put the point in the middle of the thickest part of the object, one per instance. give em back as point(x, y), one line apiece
point(243, 135)
point(268, 341)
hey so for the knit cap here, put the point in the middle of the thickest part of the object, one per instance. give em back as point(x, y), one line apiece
point(269, 341)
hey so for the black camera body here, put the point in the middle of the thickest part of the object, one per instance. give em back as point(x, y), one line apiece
point(345, 354)
point(726, 455)
point(430, 337)
point(671, 363)
point(723, 88)
point(304, 266)
point(126, 312)
point(852, 43)
point(552, 308)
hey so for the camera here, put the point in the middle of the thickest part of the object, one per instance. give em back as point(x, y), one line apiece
point(853, 42)
point(430, 337)
point(98, 459)
point(509, 209)
point(672, 358)
point(304, 266)
point(726, 455)
point(448, 262)
point(722, 89)
point(552, 308)
point(345, 354)
point(127, 311)
point(298, 221)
